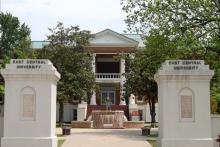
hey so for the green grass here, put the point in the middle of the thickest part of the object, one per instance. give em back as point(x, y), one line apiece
point(152, 139)
point(60, 142)
point(153, 143)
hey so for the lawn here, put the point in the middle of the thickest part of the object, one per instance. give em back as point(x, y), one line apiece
point(152, 139)
point(153, 143)
point(60, 142)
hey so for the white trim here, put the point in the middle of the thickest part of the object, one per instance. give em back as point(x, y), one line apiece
point(107, 81)
point(111, 45)
point(130, 42)
point(116, 34)
point(108, 75)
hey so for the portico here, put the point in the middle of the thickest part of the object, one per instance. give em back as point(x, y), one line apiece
point(109, 68)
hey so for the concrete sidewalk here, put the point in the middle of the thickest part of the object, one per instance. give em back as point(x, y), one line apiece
point(105, 138)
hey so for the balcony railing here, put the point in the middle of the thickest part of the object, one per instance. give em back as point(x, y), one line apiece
point(108, 76)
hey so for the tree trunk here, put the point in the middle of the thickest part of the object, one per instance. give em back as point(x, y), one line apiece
point(61, 113)
point(152, 112)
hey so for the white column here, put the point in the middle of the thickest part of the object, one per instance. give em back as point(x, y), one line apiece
point(93, 62)
point(30, 103)
point(93, 98)
point(1, 122)
point(122, 76)
point(81, 112)
point(122, 70)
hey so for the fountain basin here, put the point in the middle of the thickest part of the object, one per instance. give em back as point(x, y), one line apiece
point(107, 119)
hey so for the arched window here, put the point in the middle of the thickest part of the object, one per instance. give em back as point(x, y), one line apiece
point(28, 103)
point(186, 99)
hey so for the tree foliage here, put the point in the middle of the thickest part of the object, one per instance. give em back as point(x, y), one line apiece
point(14, 37)
point(174, 29)
point(69, 53)
point(14, 42)
point(194, 22)
point(141, 69)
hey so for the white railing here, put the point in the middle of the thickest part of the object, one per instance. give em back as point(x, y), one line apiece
point(108, 75)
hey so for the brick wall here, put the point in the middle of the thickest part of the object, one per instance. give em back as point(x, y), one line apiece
point(81, 124)
point(133, 124)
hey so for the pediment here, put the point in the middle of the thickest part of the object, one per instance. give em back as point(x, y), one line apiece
point(109, 38)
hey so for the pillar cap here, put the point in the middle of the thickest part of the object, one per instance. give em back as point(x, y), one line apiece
point(30, 69)
point(184, 70)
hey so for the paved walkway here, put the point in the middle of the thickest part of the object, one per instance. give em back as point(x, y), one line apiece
point(105, 138)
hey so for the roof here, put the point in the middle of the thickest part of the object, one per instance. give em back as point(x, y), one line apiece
point(39, 44)
point(131, 39)
point(109, 38)
point(137, 37)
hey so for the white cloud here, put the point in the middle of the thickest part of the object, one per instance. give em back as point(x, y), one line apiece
point(93, 15)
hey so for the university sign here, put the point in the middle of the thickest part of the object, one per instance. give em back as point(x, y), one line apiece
point(29, 63)
point(185, 64)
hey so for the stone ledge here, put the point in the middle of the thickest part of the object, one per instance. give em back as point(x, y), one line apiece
point(134, 124)
point(81, 124)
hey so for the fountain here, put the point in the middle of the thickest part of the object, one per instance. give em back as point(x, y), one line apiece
point(107, 118)
point(103, 118)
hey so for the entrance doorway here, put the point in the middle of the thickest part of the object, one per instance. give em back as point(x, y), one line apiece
point(108, 98)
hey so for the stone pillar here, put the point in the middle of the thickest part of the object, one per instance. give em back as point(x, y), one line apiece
point(122, 81)
point(93, 63)
point(93, 98)
point(184, 104)
point(30, 103)
point(81, 111)
point(132, 105)
point(1, 122)
point(147, 112)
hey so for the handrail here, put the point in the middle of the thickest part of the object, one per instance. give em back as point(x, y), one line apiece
point(108, 75)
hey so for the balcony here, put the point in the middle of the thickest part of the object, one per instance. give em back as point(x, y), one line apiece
point(108, 76)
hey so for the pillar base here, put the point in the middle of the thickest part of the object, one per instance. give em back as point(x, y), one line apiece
point(29, 142)
point(132, 107)
point(195, 142)
point(81, 112)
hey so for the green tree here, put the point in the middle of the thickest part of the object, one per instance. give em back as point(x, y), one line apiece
point(195, 24)
point(14, 37)
point(141, 69)
point(190, 29)
point(69, 53)
point(14, 42)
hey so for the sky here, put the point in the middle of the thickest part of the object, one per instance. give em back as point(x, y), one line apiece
point(93, 15)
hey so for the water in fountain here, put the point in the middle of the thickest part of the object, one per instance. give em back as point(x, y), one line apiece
point(111, 118)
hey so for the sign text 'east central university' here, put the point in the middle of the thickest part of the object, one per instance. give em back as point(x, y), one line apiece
point(28, 63)
point(185, 64)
